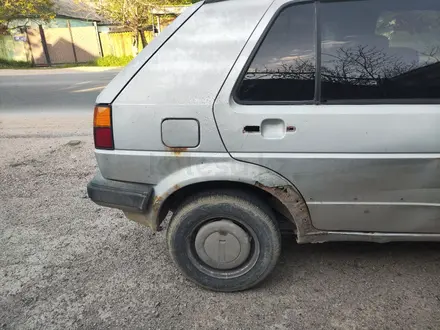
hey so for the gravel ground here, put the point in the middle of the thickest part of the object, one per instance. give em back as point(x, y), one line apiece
point(67, 263)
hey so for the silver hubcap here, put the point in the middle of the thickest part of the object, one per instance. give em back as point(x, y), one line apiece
point(222, 244)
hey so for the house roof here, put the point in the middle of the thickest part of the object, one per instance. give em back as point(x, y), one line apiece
point(74, 9)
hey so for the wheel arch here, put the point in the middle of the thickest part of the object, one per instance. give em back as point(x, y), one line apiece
point(176, 198)
point(281, 195)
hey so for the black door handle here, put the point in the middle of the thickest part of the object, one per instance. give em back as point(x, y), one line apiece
point(251, 129)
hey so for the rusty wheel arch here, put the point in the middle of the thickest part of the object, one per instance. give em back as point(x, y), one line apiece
point(285, 200)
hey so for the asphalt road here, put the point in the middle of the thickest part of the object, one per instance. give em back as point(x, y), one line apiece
point(51, 90)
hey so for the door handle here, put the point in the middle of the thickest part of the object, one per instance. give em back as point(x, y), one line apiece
point(270, 129)
point(273, 129)
point(251, 129)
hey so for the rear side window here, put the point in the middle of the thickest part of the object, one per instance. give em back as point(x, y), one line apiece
point(284, 66)
point(368, 50)
point(380, 49)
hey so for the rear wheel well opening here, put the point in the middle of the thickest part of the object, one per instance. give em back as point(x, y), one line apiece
point(284, 217)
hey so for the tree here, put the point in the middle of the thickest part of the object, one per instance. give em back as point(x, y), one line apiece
point(18, 9)
point(132, 14)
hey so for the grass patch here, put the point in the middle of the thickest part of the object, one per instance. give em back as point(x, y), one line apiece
point(113, 61)
point(7, 64)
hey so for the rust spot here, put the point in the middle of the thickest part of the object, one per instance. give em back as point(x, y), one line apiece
point(157, 202)
point(297, 207)
point(177, 151)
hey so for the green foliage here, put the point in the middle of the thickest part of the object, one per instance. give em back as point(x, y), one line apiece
point(16, 9)
point(134, 14)
point(6, 64)
point(113, 61)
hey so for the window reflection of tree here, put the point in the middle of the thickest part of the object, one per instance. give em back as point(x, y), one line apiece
point(297, 69)
point(433, 54)
point(361, 65)
point(370, 66)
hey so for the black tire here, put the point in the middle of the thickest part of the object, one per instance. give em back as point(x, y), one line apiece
point(247, 211)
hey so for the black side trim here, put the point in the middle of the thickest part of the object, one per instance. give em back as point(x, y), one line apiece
point(131, 197)
point(318, 46)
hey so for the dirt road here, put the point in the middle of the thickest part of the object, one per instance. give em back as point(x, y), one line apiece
point(67, 263)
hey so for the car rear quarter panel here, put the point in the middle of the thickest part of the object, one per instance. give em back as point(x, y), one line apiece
point(184, 77)
point(113, 89)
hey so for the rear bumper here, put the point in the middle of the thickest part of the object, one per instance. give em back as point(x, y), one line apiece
point(128, 197)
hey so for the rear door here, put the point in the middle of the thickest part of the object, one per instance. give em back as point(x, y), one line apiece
point(346, 109)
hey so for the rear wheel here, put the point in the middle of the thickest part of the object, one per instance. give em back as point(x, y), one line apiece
point(224, 241)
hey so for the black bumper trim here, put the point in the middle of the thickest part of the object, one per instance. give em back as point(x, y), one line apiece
point(130, 197)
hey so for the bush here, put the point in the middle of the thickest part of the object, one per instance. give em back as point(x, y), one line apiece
point(113, 60)
point(7, 64)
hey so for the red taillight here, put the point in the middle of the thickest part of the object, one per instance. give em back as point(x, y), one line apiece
point(103, 138)
point(102, 127)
